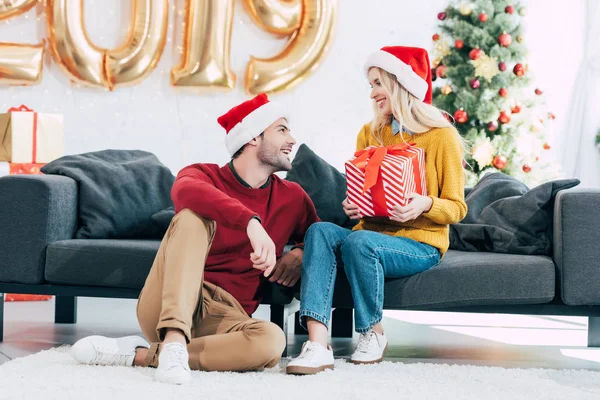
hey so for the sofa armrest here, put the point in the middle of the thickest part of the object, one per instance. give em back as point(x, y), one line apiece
point(577, 245)
point(35, 210)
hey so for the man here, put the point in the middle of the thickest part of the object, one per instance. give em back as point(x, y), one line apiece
point(231, 224)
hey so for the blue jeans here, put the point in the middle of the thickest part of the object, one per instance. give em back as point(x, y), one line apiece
point(367, 258)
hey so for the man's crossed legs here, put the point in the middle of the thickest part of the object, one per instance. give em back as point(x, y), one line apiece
point(220, 335)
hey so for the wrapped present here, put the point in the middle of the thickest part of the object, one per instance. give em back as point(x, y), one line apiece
point(379, 178)
point(26, 297)
point(27, 136)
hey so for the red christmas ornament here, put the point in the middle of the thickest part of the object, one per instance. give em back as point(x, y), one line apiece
point(475, 83)
point(442, 16)
point(509, 9)
point(504, 117)
point(492, 126)
point(441, 71)
point(475, 54)
point(505, 39)
point(500, 162)
point(483, 17)
point(503, 92)
point(538, 92)
point(519, 69)
point(502, 66)
point(526, 168)
point(461, 116)
point(516, 108)
point(546, 146)
point(435, 37)
point(459, 44)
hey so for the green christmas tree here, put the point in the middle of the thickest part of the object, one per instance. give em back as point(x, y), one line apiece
point(482, 79)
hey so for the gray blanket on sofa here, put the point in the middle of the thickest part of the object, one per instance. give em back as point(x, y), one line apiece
point(505, 216)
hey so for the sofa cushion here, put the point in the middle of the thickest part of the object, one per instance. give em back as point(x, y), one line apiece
point(119, 263)
point(467, 279)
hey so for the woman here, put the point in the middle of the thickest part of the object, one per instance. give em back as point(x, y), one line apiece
point(412, 240)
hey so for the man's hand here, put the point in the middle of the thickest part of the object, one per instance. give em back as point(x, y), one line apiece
point(351, 210)
point(416, 206)
point(263, 256)
point(288, 268)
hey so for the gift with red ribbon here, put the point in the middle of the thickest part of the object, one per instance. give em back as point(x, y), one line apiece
point(27, 136)
point(381, 177)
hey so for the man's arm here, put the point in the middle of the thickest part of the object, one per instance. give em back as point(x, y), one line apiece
point(193, 189)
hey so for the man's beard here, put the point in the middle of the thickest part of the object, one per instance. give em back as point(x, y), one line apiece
point(272, 157)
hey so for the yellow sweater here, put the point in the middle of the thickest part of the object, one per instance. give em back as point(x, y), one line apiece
point(445, 182)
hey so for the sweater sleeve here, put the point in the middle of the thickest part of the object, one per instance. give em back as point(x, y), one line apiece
point(361, 139)
point(309, 217)
point(193, 189)
point(449, 207)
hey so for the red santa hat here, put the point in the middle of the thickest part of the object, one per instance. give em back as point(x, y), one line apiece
point(248, 120)
point(410, 65)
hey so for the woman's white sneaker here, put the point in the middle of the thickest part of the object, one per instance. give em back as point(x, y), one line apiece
point(100, 350)
point(173, 364)
point(371, 348)
point(313, 358)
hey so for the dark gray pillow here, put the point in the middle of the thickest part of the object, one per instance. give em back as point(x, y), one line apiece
point(505, 216)
point(325, 185)
point(119, 192)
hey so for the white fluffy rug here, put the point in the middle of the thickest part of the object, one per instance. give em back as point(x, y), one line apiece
point(53, 374)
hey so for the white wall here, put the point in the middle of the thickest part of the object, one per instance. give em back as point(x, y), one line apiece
point(329, 107)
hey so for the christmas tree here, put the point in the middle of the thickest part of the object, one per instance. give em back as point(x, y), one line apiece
point(482, 79)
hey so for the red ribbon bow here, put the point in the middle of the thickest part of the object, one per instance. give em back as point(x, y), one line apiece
point(24, 108)
point(369, 161)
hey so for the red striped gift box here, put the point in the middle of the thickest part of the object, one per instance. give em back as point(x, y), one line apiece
point(379, 178)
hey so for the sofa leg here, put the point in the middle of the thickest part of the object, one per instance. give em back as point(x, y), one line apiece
point(279, 317)
point(1, 317)
point(342, 323)
point(593, 331)
point(65, 310)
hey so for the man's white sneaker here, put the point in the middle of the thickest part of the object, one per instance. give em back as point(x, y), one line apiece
point(371, 348)
point(173, 364)
point(102, 350)
point(313, 358)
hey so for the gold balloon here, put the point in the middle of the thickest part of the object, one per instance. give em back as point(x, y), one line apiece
point(281, 17)
point(21, 64)
point(302, 54)
point(73, 51)
point(204, 62)
point(12, 8)
point(139, 54)
point(447, 89)
point(466, 9)
point(90, 65)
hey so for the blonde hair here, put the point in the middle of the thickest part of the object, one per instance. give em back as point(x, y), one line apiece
point(410, 112)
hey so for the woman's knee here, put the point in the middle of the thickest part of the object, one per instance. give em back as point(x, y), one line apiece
point(321, 231)
point(357, 243)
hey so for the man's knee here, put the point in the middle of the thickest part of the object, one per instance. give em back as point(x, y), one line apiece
point(269, 343)
point(188, 220)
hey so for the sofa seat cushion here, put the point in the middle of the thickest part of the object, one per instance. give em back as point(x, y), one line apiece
point(121, 263)
point(467, 279)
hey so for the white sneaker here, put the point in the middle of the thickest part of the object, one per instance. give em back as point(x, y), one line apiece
point(371, 348)
point(173, 364)
point(312, 359)
point(102, 350)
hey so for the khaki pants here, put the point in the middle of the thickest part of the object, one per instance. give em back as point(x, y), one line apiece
point(220, 334)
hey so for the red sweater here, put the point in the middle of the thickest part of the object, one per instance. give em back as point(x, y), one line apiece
point(215, 193)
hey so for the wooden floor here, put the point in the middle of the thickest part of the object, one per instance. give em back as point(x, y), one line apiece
point(431, 337)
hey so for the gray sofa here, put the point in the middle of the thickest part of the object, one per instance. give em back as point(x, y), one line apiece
point(38, 219)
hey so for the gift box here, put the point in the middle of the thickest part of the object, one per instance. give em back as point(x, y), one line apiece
point(27, 136)
point(379, 178)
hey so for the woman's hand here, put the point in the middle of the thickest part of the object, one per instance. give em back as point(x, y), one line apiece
point(351, 210)
point(416, 206)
